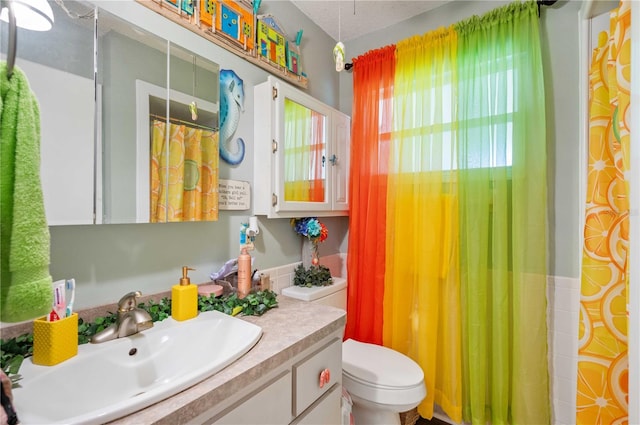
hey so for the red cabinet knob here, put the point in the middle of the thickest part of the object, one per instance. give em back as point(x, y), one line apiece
point(325, 377)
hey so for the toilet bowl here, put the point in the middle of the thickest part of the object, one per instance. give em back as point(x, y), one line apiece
point(381, 382)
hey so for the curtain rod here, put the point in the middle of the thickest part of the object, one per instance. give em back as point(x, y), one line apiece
point(545, 3)
point(179, 121)
point(348, 66)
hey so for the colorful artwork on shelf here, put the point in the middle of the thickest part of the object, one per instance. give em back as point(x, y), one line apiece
point(267, 48)
point(271, 41)
point(293, 58)
point(293, 54)
point(187, 6)
point(231, 19)
point(207, 11)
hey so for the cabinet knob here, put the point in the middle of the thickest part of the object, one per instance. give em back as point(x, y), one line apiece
point(325, 377)
point(333, 160)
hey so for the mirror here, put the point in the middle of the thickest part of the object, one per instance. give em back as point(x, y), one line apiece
point(97, 131)
point(125, 54)
point(305, 150)
point(59, 66)
point(160, 143)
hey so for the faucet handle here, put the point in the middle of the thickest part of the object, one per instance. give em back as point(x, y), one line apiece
point(129, 301)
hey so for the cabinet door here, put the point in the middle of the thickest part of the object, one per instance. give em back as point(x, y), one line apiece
point(326, 410)
point(301, 154)
point(303, 134)
point(314, 375)
point(340, 160)
point(270, 404)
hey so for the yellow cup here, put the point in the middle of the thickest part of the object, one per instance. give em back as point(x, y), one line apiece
point(55, 342)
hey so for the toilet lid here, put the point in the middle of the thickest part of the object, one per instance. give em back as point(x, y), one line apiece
point(380, 366)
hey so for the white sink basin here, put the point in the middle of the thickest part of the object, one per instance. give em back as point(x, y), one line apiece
point(107, 381)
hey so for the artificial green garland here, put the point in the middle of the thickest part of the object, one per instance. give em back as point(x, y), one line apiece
point(313, 276)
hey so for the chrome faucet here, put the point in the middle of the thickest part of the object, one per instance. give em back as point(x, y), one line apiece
point(130, 320)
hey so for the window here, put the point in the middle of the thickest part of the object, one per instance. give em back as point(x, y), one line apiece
point(427, 124)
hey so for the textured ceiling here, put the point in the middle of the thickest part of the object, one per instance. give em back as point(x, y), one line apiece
point(337, 17)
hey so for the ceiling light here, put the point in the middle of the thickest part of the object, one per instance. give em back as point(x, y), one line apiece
point(35, 15)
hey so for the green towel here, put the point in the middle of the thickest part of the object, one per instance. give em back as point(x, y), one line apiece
point(25, 282)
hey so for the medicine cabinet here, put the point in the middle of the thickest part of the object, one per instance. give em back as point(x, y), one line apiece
point(159, 123)
point(103, 85)
point(59, 66)
point(301, 154)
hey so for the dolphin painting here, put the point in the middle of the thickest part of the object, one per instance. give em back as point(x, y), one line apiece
point(231, 105)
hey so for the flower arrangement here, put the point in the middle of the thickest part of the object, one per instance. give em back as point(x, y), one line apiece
point(311, 228)
point(310, 272)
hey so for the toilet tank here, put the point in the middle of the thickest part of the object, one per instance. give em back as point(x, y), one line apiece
point(334, 295)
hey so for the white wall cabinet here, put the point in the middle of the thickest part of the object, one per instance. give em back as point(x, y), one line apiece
point(294, 392)
point(301, 154)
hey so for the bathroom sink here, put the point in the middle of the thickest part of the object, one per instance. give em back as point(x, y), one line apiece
point(110, 380)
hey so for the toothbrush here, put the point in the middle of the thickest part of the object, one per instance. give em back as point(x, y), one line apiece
point(60, 305)
point(70, 285)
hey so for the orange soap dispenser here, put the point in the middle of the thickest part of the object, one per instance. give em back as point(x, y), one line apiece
point(184, 298)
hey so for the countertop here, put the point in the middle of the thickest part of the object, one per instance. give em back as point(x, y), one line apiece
point(286, 331)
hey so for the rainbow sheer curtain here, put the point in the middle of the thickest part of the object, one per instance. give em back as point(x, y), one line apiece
point(184, 177)
point(458, 188)
point(603, 375)
point(373, 79)
point(421, 293)
point(502, 194)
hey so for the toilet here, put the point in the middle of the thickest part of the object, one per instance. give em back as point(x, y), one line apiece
point(381, 382)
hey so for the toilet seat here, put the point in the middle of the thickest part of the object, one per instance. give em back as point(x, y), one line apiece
point(381, 375)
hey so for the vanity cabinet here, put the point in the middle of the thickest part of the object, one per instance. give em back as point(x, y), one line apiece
point(304, 390)
point(268, 404)
point(301, 154)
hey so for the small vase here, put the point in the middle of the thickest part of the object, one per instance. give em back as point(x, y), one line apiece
point(309, 253)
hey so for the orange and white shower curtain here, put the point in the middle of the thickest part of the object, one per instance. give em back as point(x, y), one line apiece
point(603, 374)
point(184, 175)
